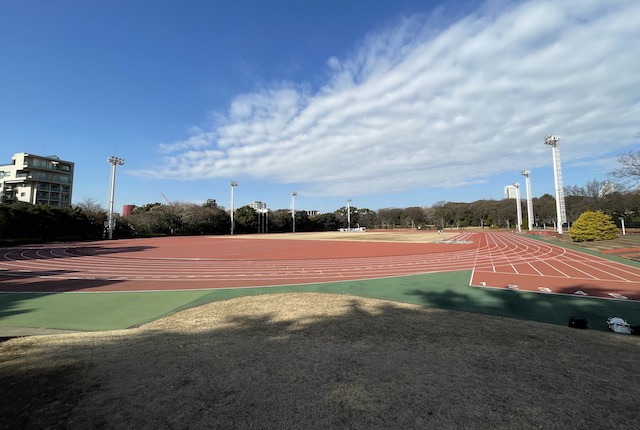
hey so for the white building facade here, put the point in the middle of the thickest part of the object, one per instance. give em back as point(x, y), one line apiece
point(510, 192)
point(37, 179)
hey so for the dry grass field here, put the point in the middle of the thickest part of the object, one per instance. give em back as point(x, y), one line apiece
point(319, 361)
point(395, 235)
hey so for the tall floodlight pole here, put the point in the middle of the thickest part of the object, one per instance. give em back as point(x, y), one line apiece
point(348, 214)
point(518, 206)
point(114, 161)
point(561, 212)
point(527, 176)
point(293, 209)
point(232, 184)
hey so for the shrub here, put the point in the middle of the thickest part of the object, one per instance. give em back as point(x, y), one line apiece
point(593, 225)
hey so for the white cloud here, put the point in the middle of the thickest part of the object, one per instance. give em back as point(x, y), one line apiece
point(415, 108)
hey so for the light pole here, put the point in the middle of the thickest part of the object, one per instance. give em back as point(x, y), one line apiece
point(561, 212)
point(527, 175)
point(114, 161)
point(518, 206)
point(348, 214)
point(233, 184)
point(293, 209)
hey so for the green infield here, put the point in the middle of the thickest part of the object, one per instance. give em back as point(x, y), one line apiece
point(449, 290)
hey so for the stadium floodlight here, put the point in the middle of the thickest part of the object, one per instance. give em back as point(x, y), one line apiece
point(232, 184)
point(114, 161)
point(527, 175)
point(561, 212)
point(518, 206)
point(348, 214)
point(293, 209)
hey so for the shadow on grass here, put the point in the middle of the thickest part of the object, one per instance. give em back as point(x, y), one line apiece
point(322, 361)
point(525, 305)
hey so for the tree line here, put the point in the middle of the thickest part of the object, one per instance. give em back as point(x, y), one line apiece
point(86, 220)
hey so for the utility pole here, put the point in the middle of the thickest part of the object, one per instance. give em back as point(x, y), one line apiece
point(114, 161)
point(518, 207)
point(527, 175)
point(293, 209)
point(233, 184)
point(561, 212)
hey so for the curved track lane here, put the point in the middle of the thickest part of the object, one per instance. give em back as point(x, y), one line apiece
point(498, 260)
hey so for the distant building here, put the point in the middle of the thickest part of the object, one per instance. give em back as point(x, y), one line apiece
point(510, 192)
point(127, 209)
point(258, 206)
point(313, 212)
point(37, 179)
point(211, 203)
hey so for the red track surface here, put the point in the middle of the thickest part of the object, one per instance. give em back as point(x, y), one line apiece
point(498, 260)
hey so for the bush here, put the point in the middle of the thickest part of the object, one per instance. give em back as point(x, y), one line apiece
point(592, 225)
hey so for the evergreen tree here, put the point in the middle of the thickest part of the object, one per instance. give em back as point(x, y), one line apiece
point(593, 225)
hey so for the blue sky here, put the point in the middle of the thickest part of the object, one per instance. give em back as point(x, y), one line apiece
point(390, 104)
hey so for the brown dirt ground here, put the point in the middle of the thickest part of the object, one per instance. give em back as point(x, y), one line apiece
point(318, 361)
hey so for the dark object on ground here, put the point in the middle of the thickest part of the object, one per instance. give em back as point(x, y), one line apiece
point(578, 322)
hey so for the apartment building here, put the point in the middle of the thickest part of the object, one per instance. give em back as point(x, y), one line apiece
point(510, 192)
point(37, 179)
point(258, 206)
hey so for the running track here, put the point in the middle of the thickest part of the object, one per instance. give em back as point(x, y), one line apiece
point(497, 260)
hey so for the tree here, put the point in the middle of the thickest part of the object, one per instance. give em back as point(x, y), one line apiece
point(303, 223)
point(246, 220)
point(280, 221)
point(145, 208)
point(459, 213)
point(367, 218)
point(166, 219)
point(630, 169)
point(593, 225)
point(481, 210)
point(414, 216)
point(505, 211)
point(30, 222)
point(544, 210)
point(344, 217)
point(90, 205)
point(390, 217)
point(219, 221)
point(95, 214)
point(325, 222)
point(440, 214)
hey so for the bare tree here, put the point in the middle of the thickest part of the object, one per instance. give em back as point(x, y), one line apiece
point(414, 216)
point(94, 210)
point(390, 217)
point(90, 204)
point(630, 169)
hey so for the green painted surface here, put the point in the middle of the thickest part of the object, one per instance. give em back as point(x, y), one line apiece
point(88, 311)
point(450, 290)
